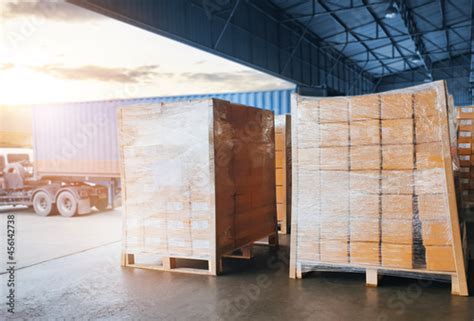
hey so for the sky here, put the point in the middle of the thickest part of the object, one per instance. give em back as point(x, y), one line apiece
point(52, 51)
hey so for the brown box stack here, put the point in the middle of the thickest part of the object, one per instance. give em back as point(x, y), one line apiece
point(398, 152)
point(365, 165)
point(334, 180)
point(465, 118)
point(283, 171)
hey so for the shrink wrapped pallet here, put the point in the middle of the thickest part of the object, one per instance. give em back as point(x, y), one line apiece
point(198, 182)
point(382, 198)
point(283, 170)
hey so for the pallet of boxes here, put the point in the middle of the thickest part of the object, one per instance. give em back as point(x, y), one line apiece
point(373, 187)
point(198, 184)
point(465, 118)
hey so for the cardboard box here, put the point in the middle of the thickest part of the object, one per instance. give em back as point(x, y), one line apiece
point(429, 155)
point(365, 253)
point(397, 255)
point(335, 206)
point(430, 181)
point(366, 182)
point(364, 205)
point(334, 251)
point(436, 233)
point(365, 132)
point(397, 207)
point(397, 131)
point(396, 106)
point(309, 158)
point(334, 134)
point(425, 104)
point(432, 207)
point(308, 247)
point(310, 130)
point(334, 229)
point(310, 182)
point(365, 230)
point(334, 110)
point(398, 157)
point(365, 157)
point(334, 158)
point(335, 182)
point(397, 182)
point(428, 130)
point(365, 107)
point(397, 231)
point(440, 258)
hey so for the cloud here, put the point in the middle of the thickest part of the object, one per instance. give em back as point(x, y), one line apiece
point(99, 73)
point(47, 9)
point(253, 80)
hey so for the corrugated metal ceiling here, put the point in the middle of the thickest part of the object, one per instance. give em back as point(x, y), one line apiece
point(361, 32)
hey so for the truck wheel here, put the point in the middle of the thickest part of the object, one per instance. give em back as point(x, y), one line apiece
point(67, 204)
point(42, 204)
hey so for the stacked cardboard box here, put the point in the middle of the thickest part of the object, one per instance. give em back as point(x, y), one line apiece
point(198, 181)
point(365, 163)
point(398, 151)
point(374, 183)
point(283, 171)
point(466, 153)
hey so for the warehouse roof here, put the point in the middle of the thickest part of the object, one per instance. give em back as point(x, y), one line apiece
point(419, 32)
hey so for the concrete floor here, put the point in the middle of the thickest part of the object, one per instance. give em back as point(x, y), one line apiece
point(90, 284)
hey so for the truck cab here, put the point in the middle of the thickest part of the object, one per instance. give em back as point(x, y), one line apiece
point(15, 155)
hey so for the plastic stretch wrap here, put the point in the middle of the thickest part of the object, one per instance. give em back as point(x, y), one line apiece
point(372, 182)
point(198, 178)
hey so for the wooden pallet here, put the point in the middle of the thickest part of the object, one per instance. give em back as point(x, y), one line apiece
point(193, 265)
point(373, 274)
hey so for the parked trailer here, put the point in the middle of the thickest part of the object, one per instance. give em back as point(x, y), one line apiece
point(75, 149)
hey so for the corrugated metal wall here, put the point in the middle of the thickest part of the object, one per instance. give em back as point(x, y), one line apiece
point(278, 101)
point(80, 139)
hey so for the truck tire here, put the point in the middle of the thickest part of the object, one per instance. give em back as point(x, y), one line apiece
point(66, 204)
point(42, 204)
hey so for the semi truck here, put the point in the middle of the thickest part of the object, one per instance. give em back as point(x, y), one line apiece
point(19, 185)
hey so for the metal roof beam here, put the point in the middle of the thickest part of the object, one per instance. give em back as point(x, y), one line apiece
point(388, 34)
point(407, 19)
point(399, 37)
point(442, 9)
point(342, 9)
point(343, 25)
